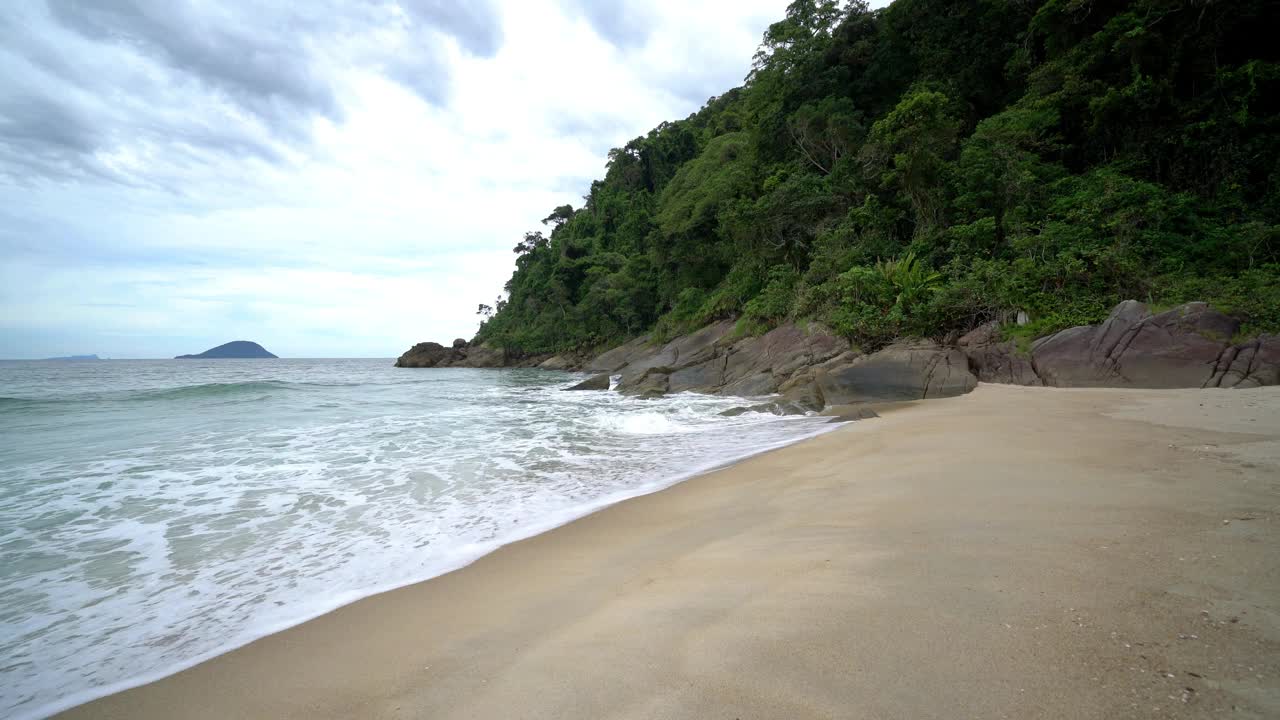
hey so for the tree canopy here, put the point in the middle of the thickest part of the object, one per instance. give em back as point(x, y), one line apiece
point(923, 168)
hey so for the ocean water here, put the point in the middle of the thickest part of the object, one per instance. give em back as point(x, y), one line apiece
point(157, 513)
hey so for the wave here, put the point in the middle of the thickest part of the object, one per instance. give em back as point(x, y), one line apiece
point(212, 390)
point(181, 392)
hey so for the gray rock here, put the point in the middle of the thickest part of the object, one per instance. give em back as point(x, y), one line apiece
point(685, 351)
point(617, 358)
point(759, 365)
point(911, 370)
point(651, 383)
point(485, 356)
point(459, 343)
point(1250, 364)
point(805, 393)
point(596, 382)
point(995, 361)
point(1180, 348)
point(706, 374)
point(427, 355)
point(773, 407)
point(556, 362)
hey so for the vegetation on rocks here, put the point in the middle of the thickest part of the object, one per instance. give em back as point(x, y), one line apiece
point(931, 166)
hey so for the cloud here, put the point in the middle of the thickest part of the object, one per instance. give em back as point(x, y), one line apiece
point(625, 23)
point(328, 178)
point(106, 88)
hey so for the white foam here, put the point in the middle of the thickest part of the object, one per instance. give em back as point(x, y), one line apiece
point(183, 544)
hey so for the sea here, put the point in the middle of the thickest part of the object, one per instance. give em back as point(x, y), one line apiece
point(156, 513)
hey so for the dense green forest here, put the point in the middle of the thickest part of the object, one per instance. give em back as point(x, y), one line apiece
point(923, 168)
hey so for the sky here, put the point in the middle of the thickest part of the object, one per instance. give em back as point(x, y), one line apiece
point(329, 178)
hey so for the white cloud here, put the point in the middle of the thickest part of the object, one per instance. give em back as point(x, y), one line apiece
point(382, 223)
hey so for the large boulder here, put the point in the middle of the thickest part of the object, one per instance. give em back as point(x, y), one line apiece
point(427, 355)
point(994, 360)
point(683, 352)
point(712, 361)
point(1179, 348)
point(653, 382)
point(760, 365)
point(911, 370)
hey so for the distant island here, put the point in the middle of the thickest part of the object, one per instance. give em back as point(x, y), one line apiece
point(76, 357)
point(237, 349)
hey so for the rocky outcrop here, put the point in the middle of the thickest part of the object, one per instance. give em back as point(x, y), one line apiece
point(1133, 348)
point(913, 370)
point(597, 382)
point(807, 367)
point(996, 361)
point(1187, 346)
point(431, 354)
point(712, 360)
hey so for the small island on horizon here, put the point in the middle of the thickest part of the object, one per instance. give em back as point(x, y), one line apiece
point(75, 357)
point(234, 350)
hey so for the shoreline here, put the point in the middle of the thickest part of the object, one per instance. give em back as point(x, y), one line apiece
point(532, 530)
point(574, 593)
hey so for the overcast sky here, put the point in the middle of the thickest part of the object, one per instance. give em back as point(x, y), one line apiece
point(328, 178)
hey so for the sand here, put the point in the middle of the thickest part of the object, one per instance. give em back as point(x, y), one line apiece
point(1013, 553)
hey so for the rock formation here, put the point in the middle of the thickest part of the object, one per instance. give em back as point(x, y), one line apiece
point(807, 367)
point(1187, 346)
point(431, 354)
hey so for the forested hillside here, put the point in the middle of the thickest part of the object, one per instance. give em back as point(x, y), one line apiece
point(926, 167)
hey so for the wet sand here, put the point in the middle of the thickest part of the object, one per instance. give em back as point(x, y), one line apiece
point(1015, 552)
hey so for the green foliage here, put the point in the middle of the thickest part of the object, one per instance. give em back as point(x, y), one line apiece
point(929, 166)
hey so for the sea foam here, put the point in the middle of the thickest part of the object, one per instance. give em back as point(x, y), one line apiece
point(155, 514)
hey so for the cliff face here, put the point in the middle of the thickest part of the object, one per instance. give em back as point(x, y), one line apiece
point(811, 368)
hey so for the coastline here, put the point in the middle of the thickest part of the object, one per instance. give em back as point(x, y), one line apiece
point(946, 558)
point(454, 562)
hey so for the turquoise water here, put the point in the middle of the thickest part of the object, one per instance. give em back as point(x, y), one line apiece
point(156, 513)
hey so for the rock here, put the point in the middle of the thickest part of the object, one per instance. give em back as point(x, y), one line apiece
point(1183, 347)
point(684, 351)
point(431, 354)
point(1250, 364)
point(614, 360)
point(596, 382)
point(911, 370)
point(651, 383)
point(459, 343)
point(426, 355)
point(759, 365)
point(805, 394)
point(773, 407)
point(485, 356)
point(996, 361)
point(707, 374)
point(711, 361)
point(556, 362)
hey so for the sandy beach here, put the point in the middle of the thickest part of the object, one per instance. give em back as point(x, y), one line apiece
point(1011, 553)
